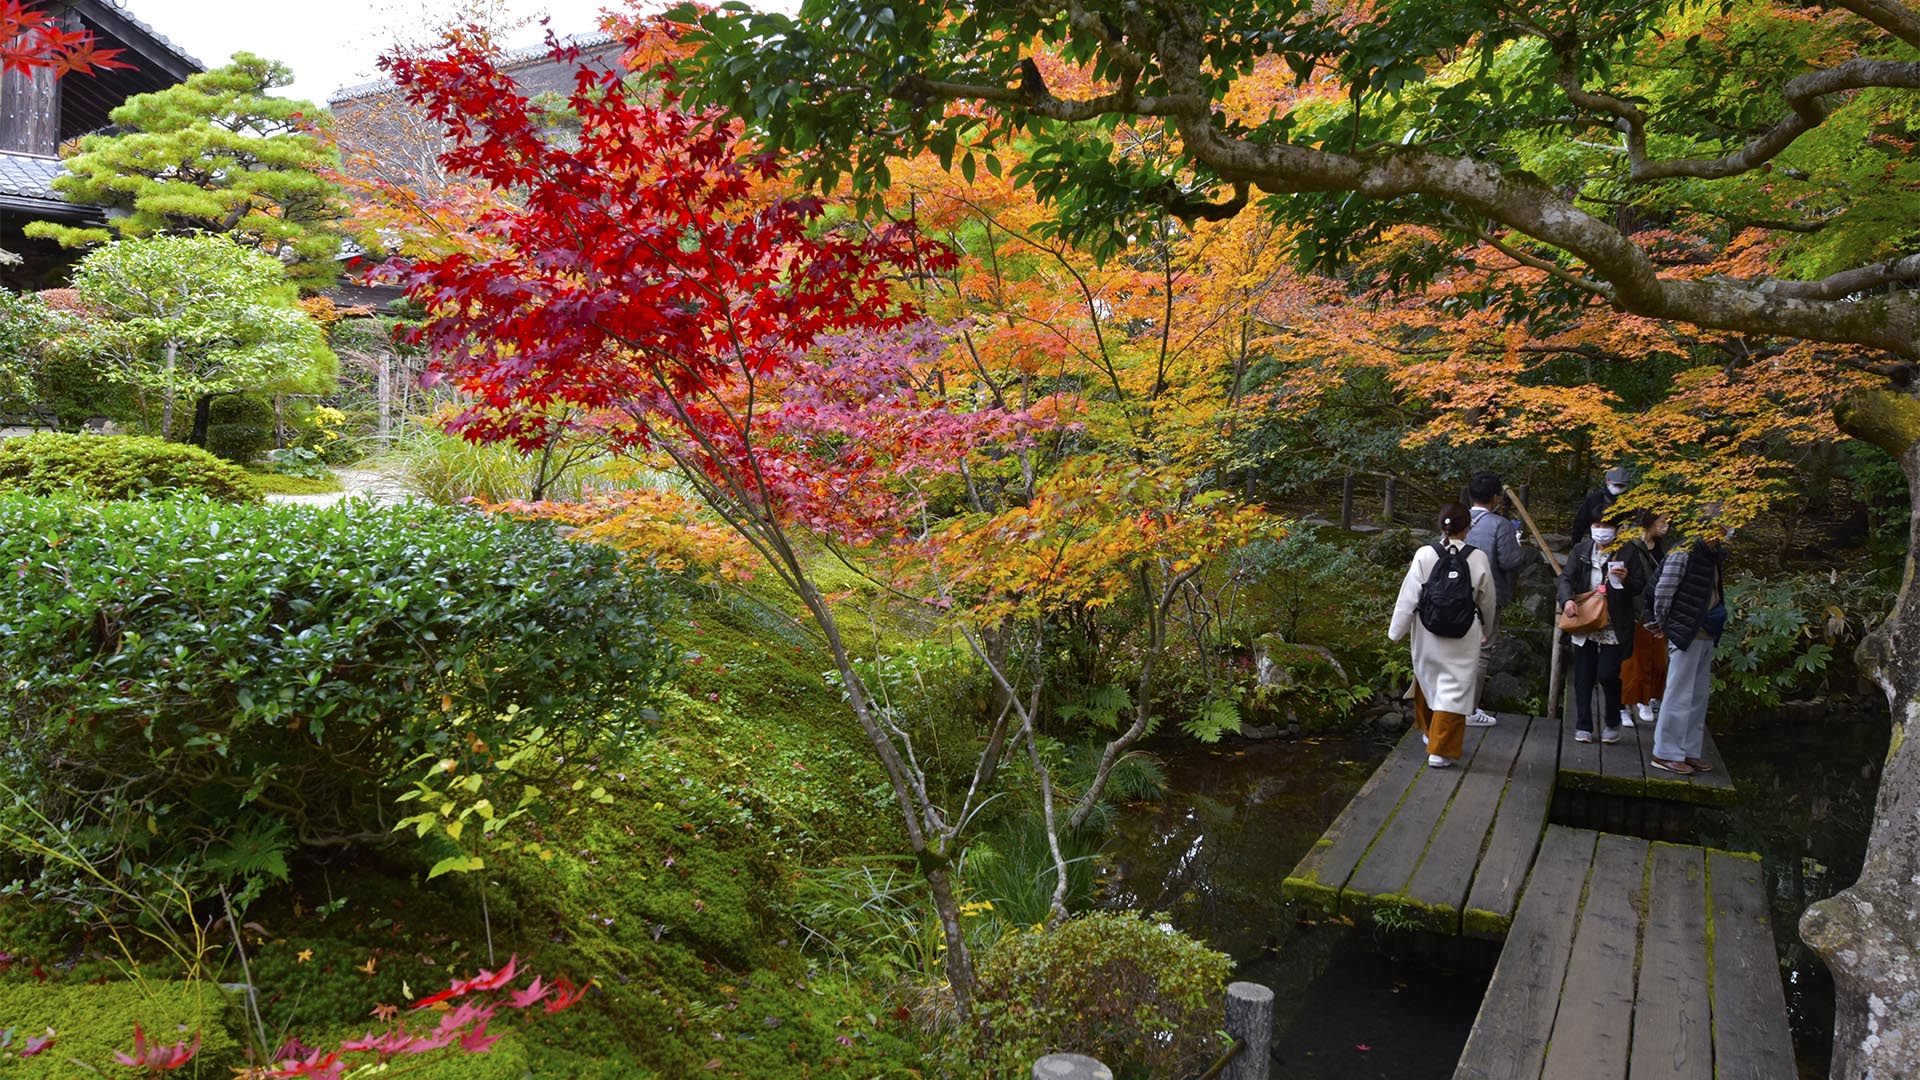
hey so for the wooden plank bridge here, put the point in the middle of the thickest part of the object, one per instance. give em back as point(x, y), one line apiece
point(1619, 957)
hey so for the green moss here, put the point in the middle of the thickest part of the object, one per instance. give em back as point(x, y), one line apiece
point(91, 1021)
point(279, 484)
point(1310, 895)
point(1486, 925)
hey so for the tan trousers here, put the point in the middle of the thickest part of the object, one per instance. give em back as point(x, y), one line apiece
point(1446, 732)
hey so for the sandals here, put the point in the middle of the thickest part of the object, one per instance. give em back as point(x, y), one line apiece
point(1679, 768)
point(1698, 765)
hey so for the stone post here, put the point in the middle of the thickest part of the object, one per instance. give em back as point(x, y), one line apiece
point(1070, 1067)
point(1250, 1022)
point(1388, 499)
point(1346, 502)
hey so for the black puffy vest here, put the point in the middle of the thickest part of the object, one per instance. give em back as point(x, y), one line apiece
point(1698, 592)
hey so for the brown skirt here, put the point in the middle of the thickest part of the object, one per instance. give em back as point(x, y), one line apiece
point(1643, 676)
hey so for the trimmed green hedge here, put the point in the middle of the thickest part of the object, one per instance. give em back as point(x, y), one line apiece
point(117, 467)
point(195, 691)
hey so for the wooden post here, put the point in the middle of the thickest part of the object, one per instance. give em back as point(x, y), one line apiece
point(1070, 1067)
point(1388, 499)
point(1250, 1022)
point(1556, 673)
point(1346, 502)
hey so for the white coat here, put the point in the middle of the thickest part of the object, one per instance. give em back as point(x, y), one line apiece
point(1448, 669)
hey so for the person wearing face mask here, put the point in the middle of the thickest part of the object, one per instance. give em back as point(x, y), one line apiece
point(1601, 500)
point(1595, 562)
point(1690, 606)
point(1643, 676)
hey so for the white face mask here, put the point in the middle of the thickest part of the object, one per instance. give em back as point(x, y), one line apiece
point(1603, 537)
point(1616, 489)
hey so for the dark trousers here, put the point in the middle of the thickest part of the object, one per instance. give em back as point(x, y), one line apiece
point(1592, 663)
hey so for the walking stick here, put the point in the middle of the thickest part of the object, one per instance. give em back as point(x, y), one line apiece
point(1556, 675)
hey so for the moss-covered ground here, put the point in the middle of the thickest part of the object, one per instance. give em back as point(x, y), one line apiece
point(674, 896)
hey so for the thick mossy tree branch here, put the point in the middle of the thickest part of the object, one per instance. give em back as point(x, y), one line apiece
point(1900, 20)
point(1886, 418)
point(1830, 310)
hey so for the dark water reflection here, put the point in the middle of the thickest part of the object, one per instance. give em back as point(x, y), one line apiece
point(1808, 784)
point(1211, 858)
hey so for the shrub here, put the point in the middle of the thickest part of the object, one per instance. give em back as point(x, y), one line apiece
point(1141, 997)
point(194, 691)
point(117, 467)
point(240, 428)
point(1786, 637)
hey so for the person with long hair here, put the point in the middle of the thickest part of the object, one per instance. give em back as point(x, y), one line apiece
point(1597, 562)
point(1446, 668)
point(1643, 675)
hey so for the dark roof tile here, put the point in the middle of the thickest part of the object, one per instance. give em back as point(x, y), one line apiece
point(29, 177)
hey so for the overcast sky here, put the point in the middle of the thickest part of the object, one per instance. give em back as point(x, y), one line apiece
point(334, 43)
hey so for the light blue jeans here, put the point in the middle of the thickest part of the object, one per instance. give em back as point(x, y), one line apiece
point(1681, 732)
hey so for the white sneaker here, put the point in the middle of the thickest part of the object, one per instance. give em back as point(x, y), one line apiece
point(1648, 714)
point(1423, 740)
point(1626, 717)
point(1435, 761)
point(1481, 718)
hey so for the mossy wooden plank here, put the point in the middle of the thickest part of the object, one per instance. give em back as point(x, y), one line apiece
point(1515, 836)
point(1751, 1037)
point(1623, 764)
point(1713, 788)
point(1511, 1033)
point(1595, 1037)
point(1672, 1018)
point(1579, 762)
point(1328, 864)
point(1390, 862)
point(1440, 884)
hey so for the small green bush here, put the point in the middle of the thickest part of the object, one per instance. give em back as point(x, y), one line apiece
point(91, 1021)
point(194, 691)
point(240, 428)
point(1142, 997)
point(117, 467)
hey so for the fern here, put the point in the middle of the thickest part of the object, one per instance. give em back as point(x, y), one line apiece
point(1215, 718)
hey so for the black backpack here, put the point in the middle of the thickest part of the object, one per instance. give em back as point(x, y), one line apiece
point(1446, 600)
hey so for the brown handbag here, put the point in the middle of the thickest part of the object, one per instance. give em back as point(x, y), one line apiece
point(1590, 614)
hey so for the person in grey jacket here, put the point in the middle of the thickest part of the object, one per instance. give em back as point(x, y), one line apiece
point(1498, 538)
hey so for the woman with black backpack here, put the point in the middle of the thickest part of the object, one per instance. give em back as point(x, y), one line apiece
point(1447, 603)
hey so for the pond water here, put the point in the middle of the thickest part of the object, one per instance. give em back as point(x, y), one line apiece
point(1211, 856)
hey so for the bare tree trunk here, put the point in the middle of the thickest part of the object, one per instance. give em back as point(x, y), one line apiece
point(383, 376)
point(166, 405)
point(959, 959)
point(1869, 934)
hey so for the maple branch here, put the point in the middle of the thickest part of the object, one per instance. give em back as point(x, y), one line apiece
point(1548, 266)
point(1035, 98)
point(1803, 94)
point(1892, 16)
point(1895, 271)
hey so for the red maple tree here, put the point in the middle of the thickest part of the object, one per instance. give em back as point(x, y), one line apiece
point(32, 39)
point(647, 268)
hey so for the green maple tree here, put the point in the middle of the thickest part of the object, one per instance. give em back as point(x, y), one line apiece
point(197, 317)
